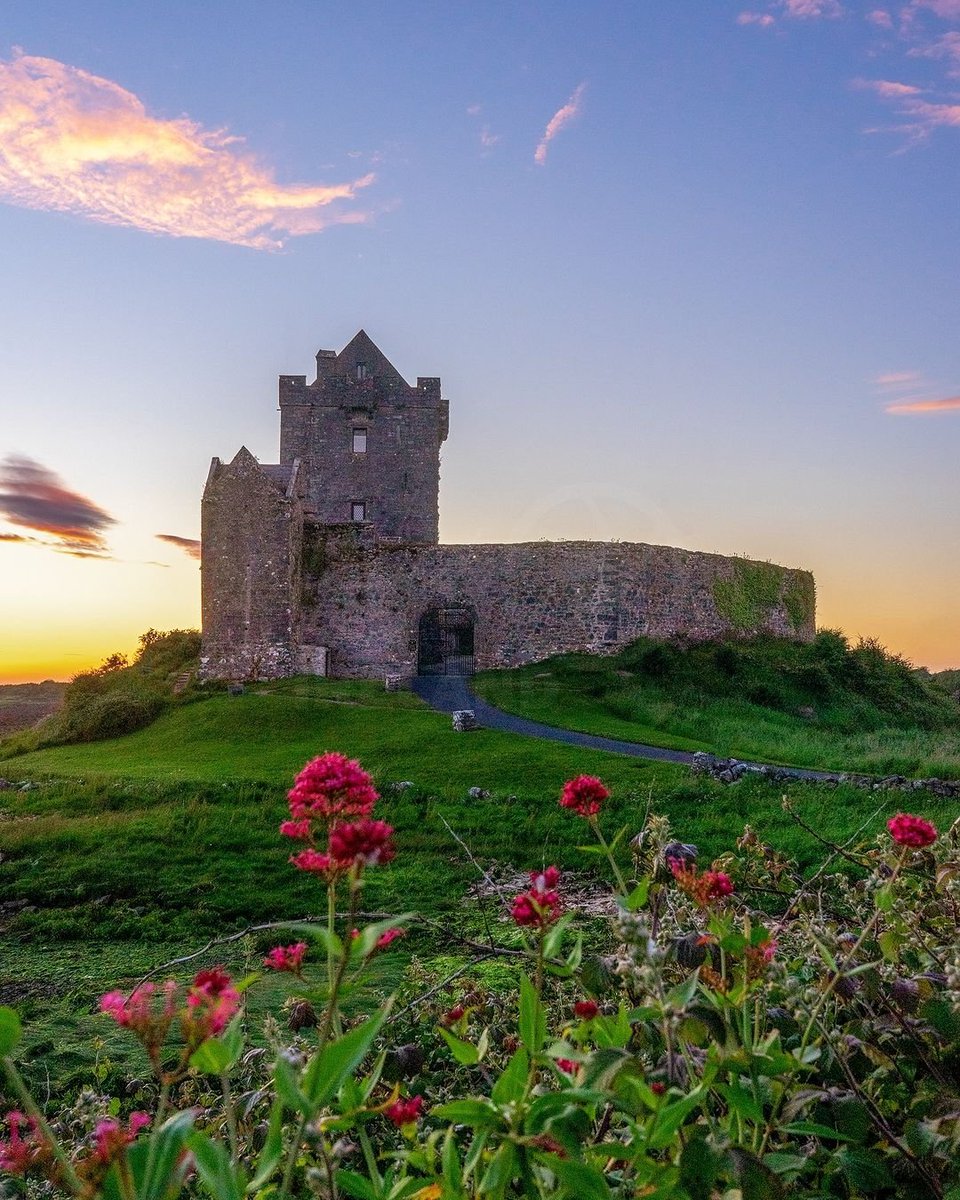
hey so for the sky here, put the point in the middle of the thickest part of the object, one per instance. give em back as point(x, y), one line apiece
point(688, 272)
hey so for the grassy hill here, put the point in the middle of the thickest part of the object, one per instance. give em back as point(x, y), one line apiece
point(825, 705)
point(125, 853)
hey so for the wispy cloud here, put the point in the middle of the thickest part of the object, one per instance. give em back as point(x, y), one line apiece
point(189, 546)
point(14, 537)
point(889, 89)
point(897, 379)
point(563, 116)
point(488, 139)
point(881, 18)
point(764, 20)
point(812, 9)
point(34, 497)
point(74, 142)
point(916, 407)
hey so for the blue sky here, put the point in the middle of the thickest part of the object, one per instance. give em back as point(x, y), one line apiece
point(716, 310)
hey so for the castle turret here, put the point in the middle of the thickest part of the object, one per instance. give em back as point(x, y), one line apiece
point(369, 443)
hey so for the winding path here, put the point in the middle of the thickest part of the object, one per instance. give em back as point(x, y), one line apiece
point(448, 693)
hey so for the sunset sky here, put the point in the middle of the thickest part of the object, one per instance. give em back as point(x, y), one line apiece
point(688, 270)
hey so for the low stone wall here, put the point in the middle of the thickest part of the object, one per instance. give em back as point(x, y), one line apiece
point(532, 600)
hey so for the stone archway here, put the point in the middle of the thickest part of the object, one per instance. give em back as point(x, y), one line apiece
point(445, 642)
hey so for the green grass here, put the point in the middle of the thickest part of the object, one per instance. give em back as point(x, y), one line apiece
point(822, 706)
point(132, 851)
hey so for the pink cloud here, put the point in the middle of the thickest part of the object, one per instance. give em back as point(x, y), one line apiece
point(487, 139)
point(896, 379)
point(563, 116)
point(881, 18)
point(764, 20)
point(913, 407)
point(811, 9)
point(35, 498)
point(190, 546)
point(887, 88)
point(74, 142)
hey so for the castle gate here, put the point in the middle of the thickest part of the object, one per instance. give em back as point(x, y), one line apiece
point(445, 645)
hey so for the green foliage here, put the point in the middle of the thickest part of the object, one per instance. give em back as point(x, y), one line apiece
point(118, 697)
point(822, 703)
point(750, 594)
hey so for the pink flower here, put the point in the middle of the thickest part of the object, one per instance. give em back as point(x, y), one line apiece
point(363, 842)
point(539, 906)
point(296, 829)
point(583, 795)
point(23, 1151)
point(404, 1112)
point(388, 936)
point(111, 1139)
point(139, 1013)
point(211, 1002)
point(586, 1010)
point(313, 861)
point(286, 958)
point(768, 949)
point(330, 787)
point(566, 1065)
point(453, 1015)
point(908, 830)
point(719, 884)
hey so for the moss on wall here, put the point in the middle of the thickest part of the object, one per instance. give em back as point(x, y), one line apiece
point(800, 602)
point(750, 594)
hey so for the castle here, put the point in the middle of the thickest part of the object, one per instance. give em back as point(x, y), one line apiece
point(328, 562)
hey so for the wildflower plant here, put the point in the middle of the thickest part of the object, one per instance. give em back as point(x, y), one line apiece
point(746, 1032)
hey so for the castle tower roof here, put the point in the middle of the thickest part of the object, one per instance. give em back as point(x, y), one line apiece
point(360, 351)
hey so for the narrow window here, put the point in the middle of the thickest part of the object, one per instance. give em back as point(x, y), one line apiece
point(358, 511)
point(361, 370)
point(359, 441)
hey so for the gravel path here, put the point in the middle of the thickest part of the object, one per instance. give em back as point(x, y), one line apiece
point(448, 693)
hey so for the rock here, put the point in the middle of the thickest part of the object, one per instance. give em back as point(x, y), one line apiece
point(478, 793)
point(465, 720)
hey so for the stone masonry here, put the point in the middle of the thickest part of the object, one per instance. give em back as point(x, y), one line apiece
point(329, 561)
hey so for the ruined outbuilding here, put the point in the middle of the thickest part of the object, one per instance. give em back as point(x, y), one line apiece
point(329, 562)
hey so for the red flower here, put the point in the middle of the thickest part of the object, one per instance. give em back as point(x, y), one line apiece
point(330, 787)
point(586, 1010)
point(21, 1152)
point(295, 829)
point(584, 795)
point(138, 1013)
point(211, 1002)
point(566, 1065)
point(388, 936)
point(286, 958)
point(658, 1088)
point(908, 830)
point(404, 1112)
point(539, 905)
point(719, 884)
point(313, 861)
point(366, 842)
point(453, 1015)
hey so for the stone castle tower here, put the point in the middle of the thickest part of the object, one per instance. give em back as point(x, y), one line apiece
point(328, 562)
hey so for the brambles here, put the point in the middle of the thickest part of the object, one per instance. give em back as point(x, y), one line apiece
point(743, 1031)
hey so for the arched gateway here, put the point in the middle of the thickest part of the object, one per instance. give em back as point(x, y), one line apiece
point(445, 645)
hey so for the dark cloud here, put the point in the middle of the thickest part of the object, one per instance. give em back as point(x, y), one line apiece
point(188, 545)
point(34, 497)
point(14, 537)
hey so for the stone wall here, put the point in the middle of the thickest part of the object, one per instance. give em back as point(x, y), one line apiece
point(252, 536)
point(530, 600)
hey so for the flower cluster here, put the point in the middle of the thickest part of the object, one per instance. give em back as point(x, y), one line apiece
point(908, 830)
point(539, 906)
point(211, 1002)
point(333, 796)
point(583, 795)
point(26, 1148)
point(404, 1112)
point(702, 889)
point(111, 1139)
point(286, 958)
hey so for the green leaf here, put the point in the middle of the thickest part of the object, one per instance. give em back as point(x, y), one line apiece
point(498, 1175)
point(638, 897)
point(741, 1101)
point(352, 1184)
point(784, 1164)
point(513, 1082)
point(287, 1084)
point(272, 1151)
point(163, 1154)
point(885, 898)
point(756, 1181)
point(328, 1069)
point(579, 1180)
point(554, 938)
point(320, 933)
point(478, 1114)
point(668, 1119)
point(212, 1057)
point(452, 1169)
point(218, 1175)
point(464, 1052)
point(699, 1164)
point(680, 996)
point(942, 1017)
point(817, 1130)
point(363, 945)
point(533, 1020)
point(10, 1030)
point(863, 1168)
